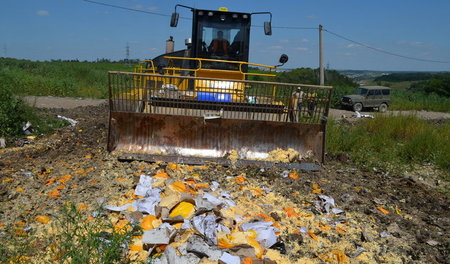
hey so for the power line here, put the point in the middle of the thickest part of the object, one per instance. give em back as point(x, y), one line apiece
point(295, 28)
point(383, 51)
point(282, 27)
point(165, 15)
point(125, 8)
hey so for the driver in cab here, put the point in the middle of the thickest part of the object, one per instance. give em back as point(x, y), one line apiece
point(219, 46)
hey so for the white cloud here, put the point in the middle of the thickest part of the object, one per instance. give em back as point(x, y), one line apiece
point(284, 41)
point(351, 46)
point(311, 17)
point(349, 54)
point(417, 44)
point(149, 8)
point(301, 48)
point(42, 13)
point(276, 47)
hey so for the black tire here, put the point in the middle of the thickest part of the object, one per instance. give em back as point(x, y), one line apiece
point(382, 108)
point(357, 107)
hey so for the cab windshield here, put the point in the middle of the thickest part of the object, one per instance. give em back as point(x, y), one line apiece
point(221, 40)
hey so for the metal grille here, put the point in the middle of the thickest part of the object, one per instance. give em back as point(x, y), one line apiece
point(218, 98)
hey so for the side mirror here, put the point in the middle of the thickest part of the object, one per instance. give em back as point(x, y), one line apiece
point(268, 28)
point(174, 19)
point(284, 58)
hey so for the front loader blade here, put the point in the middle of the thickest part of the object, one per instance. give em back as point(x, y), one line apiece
point(187, 126)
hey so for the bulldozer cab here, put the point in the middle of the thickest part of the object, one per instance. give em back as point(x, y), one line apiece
point(198, 104)
point(220, 35)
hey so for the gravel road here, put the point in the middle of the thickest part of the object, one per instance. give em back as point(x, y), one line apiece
point(70, 103)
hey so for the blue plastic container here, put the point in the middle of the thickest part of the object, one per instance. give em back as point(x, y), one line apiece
point(214, 97)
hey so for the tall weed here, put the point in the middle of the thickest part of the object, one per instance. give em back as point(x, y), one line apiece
point(391, 141)
point(72, 239)
point(408, 100)
point(58, 78)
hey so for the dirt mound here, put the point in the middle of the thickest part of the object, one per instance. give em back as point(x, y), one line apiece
point(386, 218)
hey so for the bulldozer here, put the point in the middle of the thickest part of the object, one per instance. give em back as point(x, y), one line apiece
point(203, 104)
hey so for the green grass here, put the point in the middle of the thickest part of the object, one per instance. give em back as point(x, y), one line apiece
point(14, 113)
point(58, 78)
point(403, 98)
point(391, 142)
point(407, 100)
point(76, 241)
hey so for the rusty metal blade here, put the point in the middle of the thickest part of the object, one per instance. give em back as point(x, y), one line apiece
point(193, 136)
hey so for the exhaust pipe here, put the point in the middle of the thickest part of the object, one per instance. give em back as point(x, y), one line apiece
point(170, 44)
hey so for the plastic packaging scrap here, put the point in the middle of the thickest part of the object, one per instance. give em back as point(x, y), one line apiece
point(146, 204)
point(230, 259)
point(207, 226)
point(176, 209)
point(359, 115)
point(71, 121)
point(266, 232)
point(326, 204)
point(144, 185)
point(27, 128)
point(185, 221)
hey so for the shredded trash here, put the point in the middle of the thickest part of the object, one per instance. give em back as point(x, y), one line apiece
point(71, 121)
point(359, 115)
point(27, 128)
point(187, 221)
point(385, 234)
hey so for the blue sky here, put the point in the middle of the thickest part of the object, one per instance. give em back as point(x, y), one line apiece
point(75, 29)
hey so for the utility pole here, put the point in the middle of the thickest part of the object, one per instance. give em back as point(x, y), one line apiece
point(5, 50)
point(322, 77)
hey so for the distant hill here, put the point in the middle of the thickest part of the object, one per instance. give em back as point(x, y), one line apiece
point(387, 76)
point(362, 74)
point(408, 77)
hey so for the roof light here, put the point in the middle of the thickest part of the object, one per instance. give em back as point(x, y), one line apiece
point(235, 16)
point(210, 13)
point(223, 9)
point(200, 13)
point(245, 16)
point(222, 18)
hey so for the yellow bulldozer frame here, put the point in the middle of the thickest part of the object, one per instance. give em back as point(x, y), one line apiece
point(200, 113)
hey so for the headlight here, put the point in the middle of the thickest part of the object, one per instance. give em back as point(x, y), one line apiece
point(221, 85)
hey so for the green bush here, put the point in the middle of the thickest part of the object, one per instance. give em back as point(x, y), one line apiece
point(13, 113)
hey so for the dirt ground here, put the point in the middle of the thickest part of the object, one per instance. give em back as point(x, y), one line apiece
point(415, 228)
